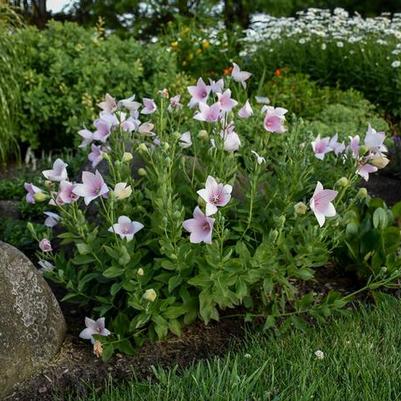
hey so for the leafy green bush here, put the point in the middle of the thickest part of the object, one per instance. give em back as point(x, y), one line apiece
point(131, 251)
point(326, 110)
point(67, 69)
point(372, 237)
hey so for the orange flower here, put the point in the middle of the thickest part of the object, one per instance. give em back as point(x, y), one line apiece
point(277, 73)
point(227, 71)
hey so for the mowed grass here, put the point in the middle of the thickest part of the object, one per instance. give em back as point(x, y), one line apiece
point(362, 361)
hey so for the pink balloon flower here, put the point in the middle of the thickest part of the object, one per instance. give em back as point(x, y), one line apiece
point(321, 205)
point(199, 93)
point(92, 187)
point(94, 327)
point(215, 195)
point(58, 172)
point(274, 119)
point(126, 228)
point(200, 227)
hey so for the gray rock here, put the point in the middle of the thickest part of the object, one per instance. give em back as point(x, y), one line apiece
point(9, 209)
point(32, 327)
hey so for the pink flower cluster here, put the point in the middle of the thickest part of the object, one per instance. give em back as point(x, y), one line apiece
point(369, 157)
point(215, 103)
point(200, 226)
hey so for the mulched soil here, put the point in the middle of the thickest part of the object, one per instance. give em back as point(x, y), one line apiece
point(76, 370)
point(385, 187)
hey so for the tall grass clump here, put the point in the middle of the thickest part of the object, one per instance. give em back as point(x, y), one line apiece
point(9, 87)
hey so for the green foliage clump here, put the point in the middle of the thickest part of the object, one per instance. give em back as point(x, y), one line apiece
point(265, 246)
point(67, 69)
point(326, 110)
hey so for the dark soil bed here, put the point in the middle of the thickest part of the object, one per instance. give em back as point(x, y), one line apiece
point(76, 370)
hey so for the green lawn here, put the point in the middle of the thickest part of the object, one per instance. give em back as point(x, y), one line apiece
point(362, 361)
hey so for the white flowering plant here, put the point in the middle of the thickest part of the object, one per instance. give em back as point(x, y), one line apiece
point(192, 208)
point(334, 48)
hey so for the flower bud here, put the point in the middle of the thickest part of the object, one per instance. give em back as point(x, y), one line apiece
point(40, 197)
point(363, 149)
point(127, 157)
point(45, 245)
point(203, 135)
point(142, 172)
point(343, 182)
point(362, 193)
point(143, 148)
point(122, 191)
point(49, 185)
point(380, 161)
point(140, 272)
point(300, 208)
point(150, 295)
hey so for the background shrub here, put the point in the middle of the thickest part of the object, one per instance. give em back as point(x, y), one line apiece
point(67, 70)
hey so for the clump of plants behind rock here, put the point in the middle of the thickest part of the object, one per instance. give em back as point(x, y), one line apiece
point(200, 202)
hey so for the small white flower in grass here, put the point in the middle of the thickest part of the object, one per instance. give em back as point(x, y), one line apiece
point(396, 64)
point(94, 327)
point(319, 354)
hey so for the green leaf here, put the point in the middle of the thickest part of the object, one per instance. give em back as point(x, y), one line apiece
point(86, 279)
point(269, 323)
point(175, 327)
point(125, 347)
point(174, 282)
point(304, 273)
point(113, 271)
point(115, 288)
point(83, 249)
point(83, 259)
point(124, 256)
point(173, 312)
point(206, 307)
point(380, 218)
point(121, 324)
point(108, 350)
point(161, 326)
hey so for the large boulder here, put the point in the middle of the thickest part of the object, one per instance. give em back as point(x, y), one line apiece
point(32, 327)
